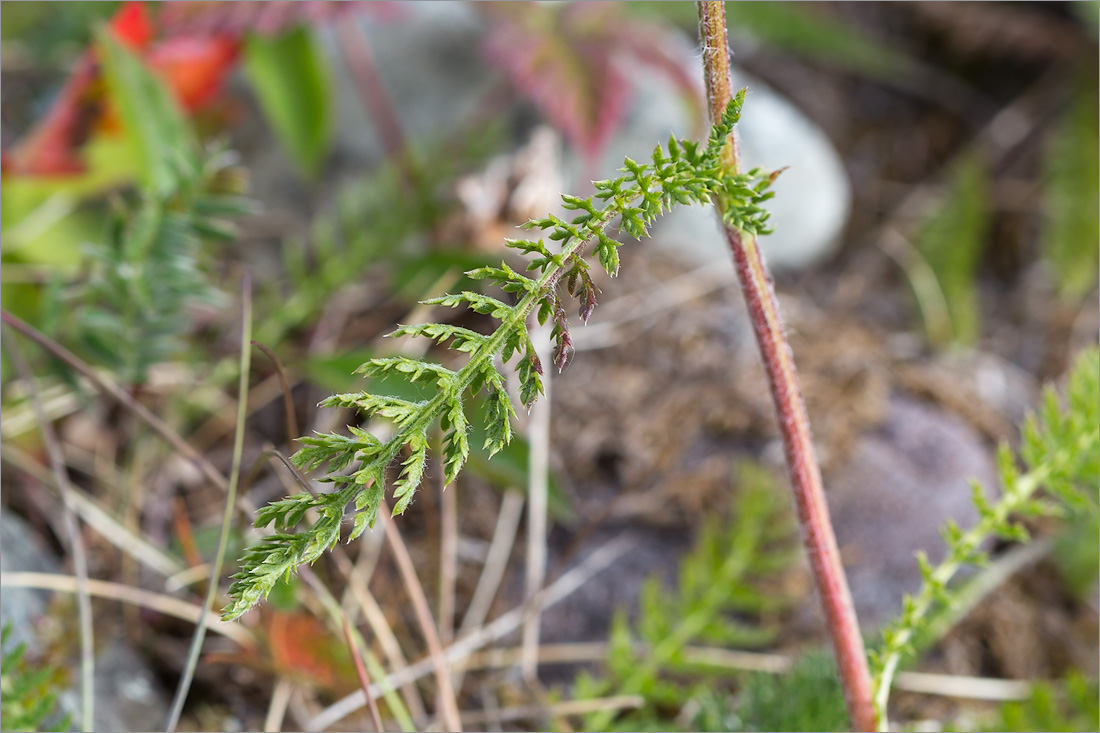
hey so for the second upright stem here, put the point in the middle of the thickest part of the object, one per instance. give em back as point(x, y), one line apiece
point(794, 425)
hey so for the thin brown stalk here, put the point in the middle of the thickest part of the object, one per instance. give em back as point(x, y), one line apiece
point(500, 627)
point(813, 512)
point(218, 425)
point(288, 397)
point(538, 467)
point(448, 711)
point(72, 530)
point(448, 559)
point(379, 625)
point(364, 678)
point(124, 398)
point(376, 99)
point(276, 707)
point(337, 618)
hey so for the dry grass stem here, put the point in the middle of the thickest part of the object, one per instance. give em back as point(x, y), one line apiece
point(379, 625)
point(364, 678)
point(158, 602)
point(538, 472)
point(496, 629)
point(496, 562)
point(288, 397)
point(448, 712)
point(72, 532)
point(276, 707)
point(558, 709)
point(448, 559)
point(96, 517)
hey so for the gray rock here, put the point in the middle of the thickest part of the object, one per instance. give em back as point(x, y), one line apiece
point(128, 696)
point(22, 551)
point(902, 482)
point(812, 197)
point(430, 62)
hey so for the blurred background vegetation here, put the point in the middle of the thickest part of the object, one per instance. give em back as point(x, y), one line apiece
point(153, 153)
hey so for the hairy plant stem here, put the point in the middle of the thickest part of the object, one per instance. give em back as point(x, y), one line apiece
point(813, 512)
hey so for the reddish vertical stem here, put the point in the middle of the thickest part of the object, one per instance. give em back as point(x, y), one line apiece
point(794, 425)
point(375, 98)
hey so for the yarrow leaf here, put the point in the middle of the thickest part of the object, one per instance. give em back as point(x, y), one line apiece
point(687, 174)
point(1059, 451)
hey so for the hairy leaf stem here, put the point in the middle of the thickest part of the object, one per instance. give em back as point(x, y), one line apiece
point(813, 512)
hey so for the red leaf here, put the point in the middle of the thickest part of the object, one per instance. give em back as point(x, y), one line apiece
point(52, 146)
point(303, 648)
point(568, 60)
point(194, 67)
point(131, 25)
point(206, 17)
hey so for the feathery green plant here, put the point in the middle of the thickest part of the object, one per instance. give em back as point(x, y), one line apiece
point(719, 578)
point(1074, 707)
point(951, 241)
point(132, 310)
point(808, 697)
point(28, 697)
point(1071, 187)
point(685, 173)
point(1060, 450)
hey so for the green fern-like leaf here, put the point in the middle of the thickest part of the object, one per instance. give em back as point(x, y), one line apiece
point(1072, 708)
point(717, 579)
point(1071, 189)
point(132, 312)
point(1059, 451)
point(629, 204)
point(951, 242)
point(28, 694)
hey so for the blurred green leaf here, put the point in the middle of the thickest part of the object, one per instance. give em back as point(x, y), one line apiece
point(951, 241)
point(28, 692)
point(1077, 555)
point(157, 125)
point(335, 372)
point(799, 28)
point(802, 29)
point(48, 36)
point(419, 275)
point(1072, 188)
point(1071, 706)
point(1089, 14)
point(809, 697)
point(292, 82)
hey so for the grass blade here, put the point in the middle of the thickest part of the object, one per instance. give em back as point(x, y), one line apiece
point(227, 517)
